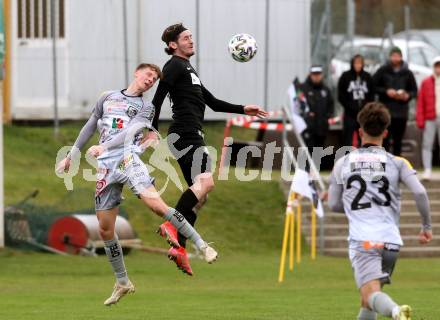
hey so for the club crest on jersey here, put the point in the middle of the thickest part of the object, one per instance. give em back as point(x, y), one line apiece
point(131, 112)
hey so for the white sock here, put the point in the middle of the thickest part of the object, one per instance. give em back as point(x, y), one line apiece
point(115, 256)
point(184, 228)
point(381, 303)
point(366, 314)
point(395, 311)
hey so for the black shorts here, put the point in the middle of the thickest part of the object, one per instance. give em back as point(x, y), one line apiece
point(196, 159)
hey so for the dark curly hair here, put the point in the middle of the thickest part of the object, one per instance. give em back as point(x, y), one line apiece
point(171, 34)
point(374, 118)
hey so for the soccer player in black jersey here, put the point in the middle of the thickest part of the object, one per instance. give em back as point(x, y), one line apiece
point(189, 98)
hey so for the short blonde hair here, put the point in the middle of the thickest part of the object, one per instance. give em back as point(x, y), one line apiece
point(153, 67)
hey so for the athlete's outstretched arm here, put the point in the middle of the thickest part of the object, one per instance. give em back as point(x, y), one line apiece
point(84, 135)
point(219, 105)
point(421, 198)
point(222, 106)
point(89, 128)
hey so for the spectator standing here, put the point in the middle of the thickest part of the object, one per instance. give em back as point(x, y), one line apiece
point(428, 115)
point(355, 89)
point(396, 86)
point(320, 108)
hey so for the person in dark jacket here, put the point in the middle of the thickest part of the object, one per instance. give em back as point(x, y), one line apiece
point(355, 89)
point(320, 108)
point(396, 86)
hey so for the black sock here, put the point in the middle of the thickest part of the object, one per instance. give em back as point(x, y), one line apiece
point(185, 205)
point(187, 201)
point(191, 217)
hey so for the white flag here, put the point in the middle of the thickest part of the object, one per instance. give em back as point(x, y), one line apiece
point(298, 122)
point(302, 185)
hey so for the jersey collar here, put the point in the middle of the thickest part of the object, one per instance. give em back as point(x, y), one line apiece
point(123, 93)
point(367, 145)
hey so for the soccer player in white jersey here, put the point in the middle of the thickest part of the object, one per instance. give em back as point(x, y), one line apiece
point(365, 185)
point(119, 164)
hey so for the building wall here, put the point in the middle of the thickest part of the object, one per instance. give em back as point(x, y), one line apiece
point(92, 54)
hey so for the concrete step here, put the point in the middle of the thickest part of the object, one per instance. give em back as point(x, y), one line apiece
point(432, 194)
point(409, 241)
point(406, 205)
point(406, 252)
point(405, 217)
point(432, 184)
point(342, 230)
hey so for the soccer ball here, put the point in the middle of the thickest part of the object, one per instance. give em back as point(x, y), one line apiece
point(242, 47)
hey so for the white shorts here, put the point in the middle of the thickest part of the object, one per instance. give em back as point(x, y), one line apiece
point(113, 173)
point(372, 261)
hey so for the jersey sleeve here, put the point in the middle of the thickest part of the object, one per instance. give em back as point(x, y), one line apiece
point(421, 199)
point(89, 128)
point(406, 169)
point(159, 97)
point(336, 175)
point(336, 188)
point(219, 105)
point(409, 178)
point(171, 73)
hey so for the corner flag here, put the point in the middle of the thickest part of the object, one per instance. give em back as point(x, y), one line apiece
point(302, 185)
point(294, 108)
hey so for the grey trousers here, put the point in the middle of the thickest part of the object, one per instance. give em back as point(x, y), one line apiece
point(431, 128)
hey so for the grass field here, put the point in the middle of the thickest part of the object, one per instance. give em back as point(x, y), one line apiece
point(239, 286)
point(244, 219)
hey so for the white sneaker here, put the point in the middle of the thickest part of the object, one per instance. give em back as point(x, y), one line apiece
point(118, 292)
point(404, 313)
point(426, 175)
point(209, 253)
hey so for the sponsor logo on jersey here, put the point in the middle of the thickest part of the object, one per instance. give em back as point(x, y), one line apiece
point(360, 166)
point(100, 185)
point(126, 162)
point(114, 250)
point(178, 216)
point(195, 79)
point(117, 123)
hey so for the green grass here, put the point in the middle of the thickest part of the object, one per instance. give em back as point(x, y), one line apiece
point(238, 286)
point(244, 219)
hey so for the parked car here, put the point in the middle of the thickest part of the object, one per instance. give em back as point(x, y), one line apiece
point(375, 51)
point(431, 36)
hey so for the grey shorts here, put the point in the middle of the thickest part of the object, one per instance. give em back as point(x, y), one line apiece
point(113, 173)
point(373, 262)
